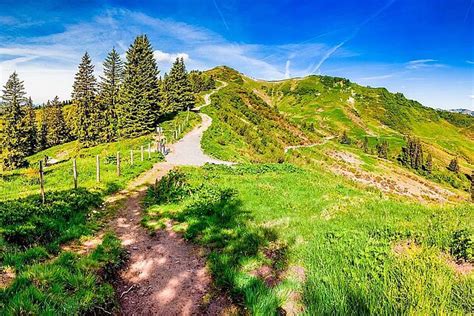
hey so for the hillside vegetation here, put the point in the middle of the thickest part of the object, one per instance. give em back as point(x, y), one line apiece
point(335, 226)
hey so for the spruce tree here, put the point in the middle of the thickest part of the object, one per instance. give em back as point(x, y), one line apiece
point(365, 145)
point(138, 106)
point(14, 142)
point(454, 165)
point(109, 91)
point(57, 131)
point(429, 163)
point(86, 109)
point(31, 129)
point(180, 93)
point(344, 139)
point(43, 129)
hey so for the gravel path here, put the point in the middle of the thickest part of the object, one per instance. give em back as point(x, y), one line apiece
point(164, 274)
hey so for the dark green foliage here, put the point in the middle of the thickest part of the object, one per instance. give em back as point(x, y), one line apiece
point(31, 129)
point(200, 82)
point(428, 167)
point(15, 143)
point(365, 145)
point(138, 106)
point(462, 245)
point(472, 186)
point(344, 139)
point(382, 149)
point(57, 131)
point(42, 141)
point(86, 110)
point(26, 222)
point(171, 188)
point(67, 285)
point(108, 94)
point(453, 165)
point(412, 155)
point(177, 89)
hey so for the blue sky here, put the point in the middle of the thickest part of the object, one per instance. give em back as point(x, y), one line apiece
point(423, 48)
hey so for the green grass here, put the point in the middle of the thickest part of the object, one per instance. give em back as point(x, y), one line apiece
point(50, 281)
point(342, 235)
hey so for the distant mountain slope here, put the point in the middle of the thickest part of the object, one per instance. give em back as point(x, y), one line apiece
point(256, 120)
point(463, 111)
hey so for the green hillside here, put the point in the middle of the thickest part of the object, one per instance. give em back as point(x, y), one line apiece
point(309, 110)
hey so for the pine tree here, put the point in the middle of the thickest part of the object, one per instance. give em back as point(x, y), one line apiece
point(179, 90)
point(344, 139)
point(454, 165)
point(86, 110)
point(412, 155)
point(365, 145)
point(429, 163)
point(382, 149)
point(43, 129)
point(57, 131)
point(30, 125)
point(472, 186)
point(109, 91)
point(14, 143)
point(138, 106)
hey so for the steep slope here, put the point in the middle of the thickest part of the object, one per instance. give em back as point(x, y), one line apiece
point(257, 120)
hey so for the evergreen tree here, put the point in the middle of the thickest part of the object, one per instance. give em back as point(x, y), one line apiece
point(109, 91)
point(365, 145)
point(412, 155)
point(138, 106)
point(86, 110)
point(472, 186)
point(344, 139)
point(57, 131)
point(179, 89)
point(43, 129)
point(382, 149)
point(454, 165)
point(30, 125)
point(429, 163)
point(165, 96)
point(14, 143)
point(197, 81)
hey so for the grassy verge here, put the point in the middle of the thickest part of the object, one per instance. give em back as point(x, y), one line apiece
point(282, 236)
point(36, 275)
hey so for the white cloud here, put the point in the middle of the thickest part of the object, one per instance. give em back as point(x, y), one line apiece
point(470, 62)
point(471, 96)
point(287, 69)
point(423, 63)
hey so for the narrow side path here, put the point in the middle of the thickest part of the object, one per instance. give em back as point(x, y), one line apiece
point(164, 274)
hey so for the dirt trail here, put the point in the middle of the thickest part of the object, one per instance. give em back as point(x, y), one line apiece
point(324, 141)
point(164, 274)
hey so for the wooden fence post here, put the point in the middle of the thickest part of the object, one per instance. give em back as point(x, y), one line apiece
point(118, 163)
point(97, 168)
point(74, 172)
point(131, 157)
point(41, 180)
point(141, 153)
point(149, 150)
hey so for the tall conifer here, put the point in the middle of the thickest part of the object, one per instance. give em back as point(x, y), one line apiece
point(43, 129)
point(57, 131)
point(138, 107)
point(180, 91)
point(109, 90)
point(14, 143)
point(83, 97)
point(30, 126)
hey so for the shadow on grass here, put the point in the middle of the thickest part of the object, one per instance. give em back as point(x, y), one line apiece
point(31, 231)
point(215, 219)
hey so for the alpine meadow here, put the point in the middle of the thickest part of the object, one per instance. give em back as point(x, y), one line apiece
point(220, 158)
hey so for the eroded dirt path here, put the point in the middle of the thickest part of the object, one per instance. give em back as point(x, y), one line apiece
point(164, 275)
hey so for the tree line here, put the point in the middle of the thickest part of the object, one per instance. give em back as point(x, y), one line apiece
point(128, 100)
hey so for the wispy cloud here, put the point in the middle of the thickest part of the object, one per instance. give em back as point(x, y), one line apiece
point(380, 77)
point(470, 62)
point(423, 63)
point(356, 31)
point(221, 15)
point(287, 69)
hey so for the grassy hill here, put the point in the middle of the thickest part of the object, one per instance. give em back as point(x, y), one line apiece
point(309, 110)
point(327, 229)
